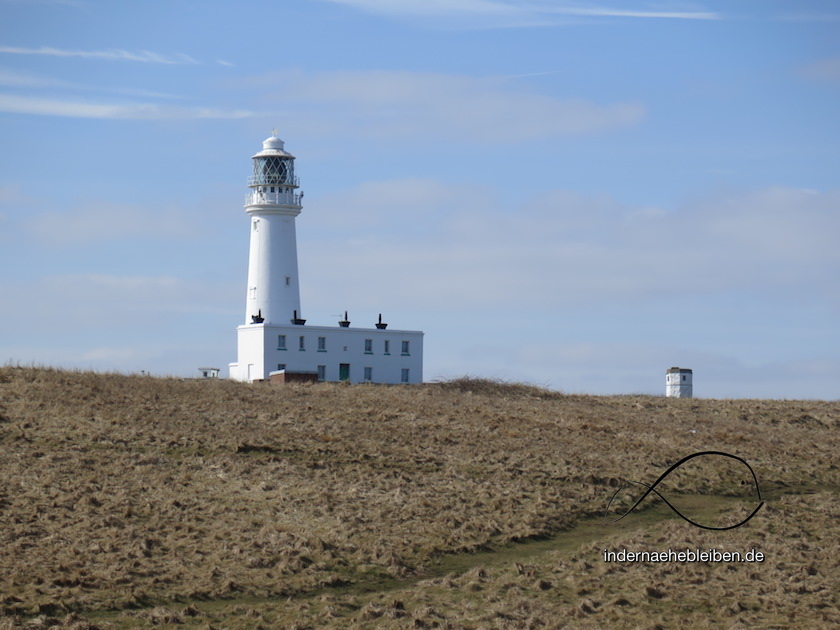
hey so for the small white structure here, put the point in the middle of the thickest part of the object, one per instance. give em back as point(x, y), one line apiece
point(274, 337)
point(208, 372)
point(678, 383)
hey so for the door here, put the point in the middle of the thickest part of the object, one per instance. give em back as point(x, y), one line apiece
point(343, 371)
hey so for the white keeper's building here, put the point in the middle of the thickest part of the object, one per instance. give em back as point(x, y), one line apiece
point(679, 383)
point(275, 340)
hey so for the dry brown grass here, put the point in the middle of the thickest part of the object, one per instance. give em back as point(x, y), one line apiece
point(188, 503)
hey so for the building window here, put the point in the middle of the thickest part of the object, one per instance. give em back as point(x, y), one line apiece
point(387, 347)
point(256, 223)
point(368, 346)
point(368, 373)
point(322, 372)
point(281, 342)
point(404, 375)
point(405, 352)
point(281, 366)
point(288, 281)
point(302, 343)
point(322, 344)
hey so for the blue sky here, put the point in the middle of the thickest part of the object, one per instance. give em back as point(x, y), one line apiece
point(573, 194)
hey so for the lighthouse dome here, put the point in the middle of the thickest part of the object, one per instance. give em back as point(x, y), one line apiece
point(274, 146)
point(273, 143)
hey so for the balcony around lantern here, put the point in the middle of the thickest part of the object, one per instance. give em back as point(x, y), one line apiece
point(286, 198)
point(273, 180)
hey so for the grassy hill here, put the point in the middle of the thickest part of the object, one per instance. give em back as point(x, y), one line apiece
point(132, 501)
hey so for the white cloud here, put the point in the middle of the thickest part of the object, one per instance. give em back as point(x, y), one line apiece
point(388, 205)
point(16, 79)
point(107, 302)
point(114, 355)
point(809, 17)
point(69, 3)
point(398, 105)
point(112, 54)
point(12, 194)
point(14, 104)
point(563, 249)
point(607, 367)
point(508, 13)
point(11, 78)
point(433, 7)
point(104, 321)
point(823, 70)
point(631, 13)
point(106, 222)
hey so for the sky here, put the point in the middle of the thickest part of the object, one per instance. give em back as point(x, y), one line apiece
point(574, 194)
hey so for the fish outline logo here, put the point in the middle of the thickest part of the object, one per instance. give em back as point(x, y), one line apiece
point(652, 489)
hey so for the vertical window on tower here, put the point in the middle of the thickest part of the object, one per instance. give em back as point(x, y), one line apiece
point(368, 346)
point(302, 343)
point(288, 281)
point(322, 344)
point(405, 352)
point(281, 342)
point(255, 224)
point(387, 346)
point(404, 375)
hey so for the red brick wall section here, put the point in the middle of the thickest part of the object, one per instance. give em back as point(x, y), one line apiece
point(293, 377)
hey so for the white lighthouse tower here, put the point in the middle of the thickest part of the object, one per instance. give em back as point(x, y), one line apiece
point(273, 204)
point(274, 343)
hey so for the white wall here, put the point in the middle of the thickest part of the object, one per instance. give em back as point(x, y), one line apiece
point(273, 289)
point(678, 384)
point(258, 347)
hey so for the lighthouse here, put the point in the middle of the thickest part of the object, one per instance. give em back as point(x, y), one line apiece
point(272, 205)
point(274, 343)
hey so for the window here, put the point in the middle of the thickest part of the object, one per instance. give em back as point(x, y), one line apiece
point(405, 348)
point(281, 366)
point(322, 372)
point(256, 223)
point(272, 170)
point(322, 344)
point(387, 347)
point(288, 281)
point(281, 342)
point(404, 376)
point(368, 346)
point(368, 373)
point(302, 343)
